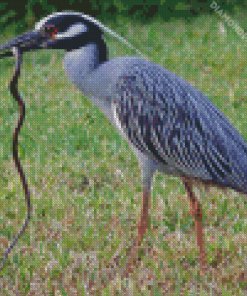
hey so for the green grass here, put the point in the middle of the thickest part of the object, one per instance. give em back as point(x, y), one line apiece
point(85, 181)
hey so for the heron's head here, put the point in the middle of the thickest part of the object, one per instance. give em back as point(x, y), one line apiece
point(61, 30)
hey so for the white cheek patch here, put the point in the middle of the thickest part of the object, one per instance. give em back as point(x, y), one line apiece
point(72, 31)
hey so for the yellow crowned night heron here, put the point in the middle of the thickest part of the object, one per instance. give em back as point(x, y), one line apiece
point(171, 126)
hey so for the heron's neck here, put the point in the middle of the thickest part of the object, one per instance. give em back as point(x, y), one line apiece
point(81, 62)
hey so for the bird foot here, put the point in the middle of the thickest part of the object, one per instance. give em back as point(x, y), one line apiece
point(132, 261)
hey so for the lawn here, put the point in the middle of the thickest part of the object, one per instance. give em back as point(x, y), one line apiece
point(85, 182)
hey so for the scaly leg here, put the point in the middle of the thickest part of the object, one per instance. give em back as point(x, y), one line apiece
point(141, 230)
point(196, 211)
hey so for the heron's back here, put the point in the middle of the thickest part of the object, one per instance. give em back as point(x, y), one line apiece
point(163, 114)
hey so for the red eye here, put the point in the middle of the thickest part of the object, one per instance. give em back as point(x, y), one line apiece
point(50, 29)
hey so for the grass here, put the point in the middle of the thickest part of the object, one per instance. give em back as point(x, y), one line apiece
point(85, 181)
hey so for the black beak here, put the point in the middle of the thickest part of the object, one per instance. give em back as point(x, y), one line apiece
point(28, 41)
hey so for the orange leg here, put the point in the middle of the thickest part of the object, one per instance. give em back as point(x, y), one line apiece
point(141, 230)
point(196, 211)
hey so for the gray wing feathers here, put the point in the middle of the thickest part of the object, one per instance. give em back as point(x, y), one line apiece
point(165, 116)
